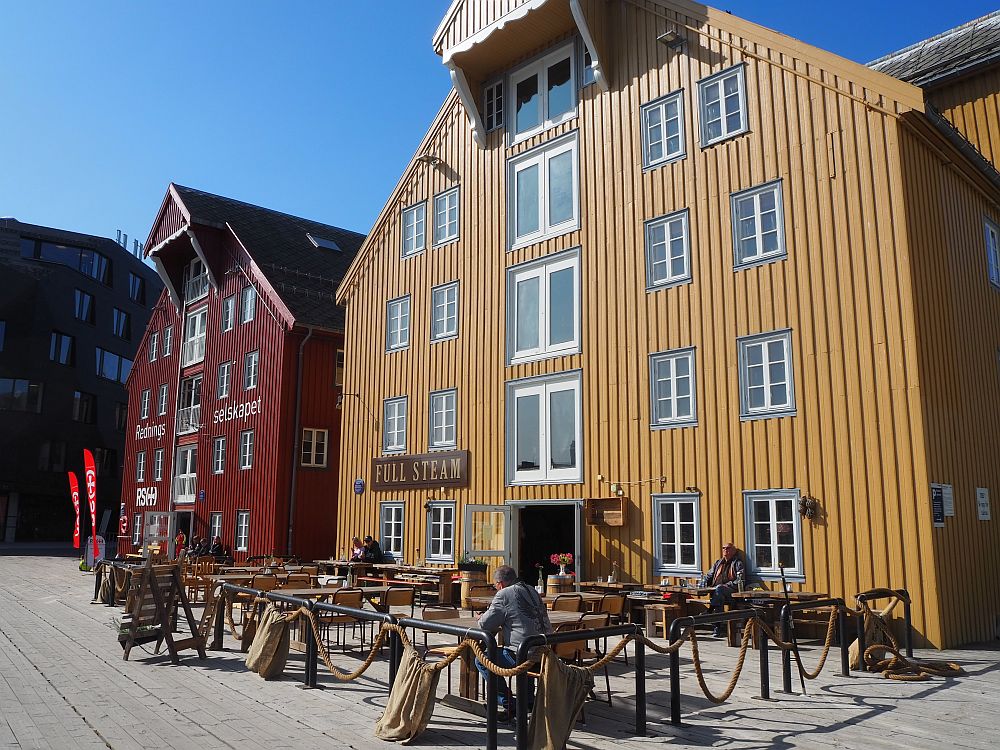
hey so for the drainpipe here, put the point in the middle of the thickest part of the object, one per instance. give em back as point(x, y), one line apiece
point(296, 443)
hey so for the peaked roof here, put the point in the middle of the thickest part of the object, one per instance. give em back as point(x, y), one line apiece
point(303, 275)
point(954, 53)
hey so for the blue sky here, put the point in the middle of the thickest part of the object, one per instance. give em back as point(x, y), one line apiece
point(313, 108)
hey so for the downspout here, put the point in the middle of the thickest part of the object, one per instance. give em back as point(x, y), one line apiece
point(296, 443)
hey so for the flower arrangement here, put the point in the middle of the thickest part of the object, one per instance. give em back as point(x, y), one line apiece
point(561, 558)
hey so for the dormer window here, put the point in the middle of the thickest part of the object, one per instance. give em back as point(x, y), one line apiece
point(195, 281)
point(543, 93)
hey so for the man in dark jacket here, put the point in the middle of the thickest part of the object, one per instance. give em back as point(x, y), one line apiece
point(726, 574)
point(373, 553)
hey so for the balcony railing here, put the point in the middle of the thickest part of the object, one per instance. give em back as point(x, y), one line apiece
point(196, 287)
point(184, 488)
point(193, 351)
point(189, 419)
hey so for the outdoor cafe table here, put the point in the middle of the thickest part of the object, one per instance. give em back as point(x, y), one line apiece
point(351, 568)
point(590, 600)
point(444, 576)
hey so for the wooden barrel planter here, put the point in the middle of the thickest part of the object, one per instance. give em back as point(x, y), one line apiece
point(559, 584)
point(470, 578)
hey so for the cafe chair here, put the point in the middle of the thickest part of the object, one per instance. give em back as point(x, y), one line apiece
point(480, 591)
point(439, 612)
point(614, 606)
point(297, 581)
point(567, 603)
point(586, 655)
point(346, 597)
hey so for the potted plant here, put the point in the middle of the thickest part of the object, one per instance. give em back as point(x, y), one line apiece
point(562, 559)
point(472, 563)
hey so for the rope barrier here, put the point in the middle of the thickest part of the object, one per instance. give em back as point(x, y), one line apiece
point(902, 669)
point(787, 646)
point(249, 620)
point(744, 645)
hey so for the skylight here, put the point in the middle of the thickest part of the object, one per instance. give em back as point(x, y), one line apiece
point(323, 242)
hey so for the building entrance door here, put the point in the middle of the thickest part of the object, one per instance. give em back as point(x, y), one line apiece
point(487, 534)
point(541, 529)
point(158, 530)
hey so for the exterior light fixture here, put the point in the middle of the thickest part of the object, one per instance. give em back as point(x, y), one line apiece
point(429, 159)
point(671, 39)
point(340, 405)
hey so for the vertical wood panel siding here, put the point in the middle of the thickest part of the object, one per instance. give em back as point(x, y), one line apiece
point(973, 106)
point(828, 130)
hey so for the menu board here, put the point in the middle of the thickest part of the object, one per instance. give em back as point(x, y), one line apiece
point(937, 505)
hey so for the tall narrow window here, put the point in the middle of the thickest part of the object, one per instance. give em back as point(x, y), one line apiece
point(161, 400)
point(397, 326)
point(84, 407)
point(544, 436)
point(158, 464)
point(229, 312)
point(668, 251)
point(222, 383)
point(121, 416)
point(62, 348)
point(446, 217)
point(251, 367)
point(121, 324)
point(219, 454)
point(215, 526)
point(136, 288)
point(676, 535)
point(189, 405)
point(144, 404)
point(766, 384)
point(394, 425)
point(672, 380)
point(338, 368)
point(137, 529)
point(168, 341)
point(17, 394)
point(442, 419)
point(3, 334)
point(154, 340)
point(186, 474)
point(543, 192)
point(246, 449)
point(194, 337)
point(444, 311)
point(248, 304)
point(314, 447)
point(242, 530)
point(544, 92)
point(83, 306)
point(414, 232)
point(493, 106)
point(758, 225)
point(391, 523)
point(441, 532)
point(774, 533)
point(992, 252)
point(663, 130)
point(722, 102)
point(195, 281)
point(140, 466)
point(543, 308)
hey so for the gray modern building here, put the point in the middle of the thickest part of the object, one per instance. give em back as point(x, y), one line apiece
point(73, 308)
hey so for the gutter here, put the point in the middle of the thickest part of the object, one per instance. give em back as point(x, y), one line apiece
point(969, 151)
point(297, 442)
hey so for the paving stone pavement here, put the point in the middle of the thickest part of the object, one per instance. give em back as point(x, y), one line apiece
point(64, 684)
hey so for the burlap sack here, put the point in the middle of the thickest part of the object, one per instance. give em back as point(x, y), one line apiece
point(411, 701)
point(269, 652)
point(562, 690)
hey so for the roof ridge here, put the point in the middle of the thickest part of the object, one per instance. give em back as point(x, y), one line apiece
point(935, 38)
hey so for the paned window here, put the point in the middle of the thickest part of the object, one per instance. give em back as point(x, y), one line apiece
point(774, 533)
point(314, 442)
point(676, 534)
point(543, 192)
point(62, 348)
point(186, 474)
point(543, 308)
point(993, 252)
point(137, 529)
point(219, 454)
point(140, 466)
point(758, 225)
point(194, 337)
point(195, 281)
point(766, 384)
point(17, 394)
point(215, 526)
point(446, 217)
point(52, 455)
point(251, 368)
point(246, 449)
point(121, 416)
point(242, 530)
point(442, 419)
point(248, 304)
point(493, 106)
point(394, 425)
point(391, 523)
point(222, 383)
point(136, 288)
point(414, 231)
point(444, 311)
point(672, 381)
point(229, 312)
point(544, 437)
point(338, 368)
point(189, 405)
point(397, 324)
point(83, 306)
point(168, 341)
point(144, 404)
point(121, 324)
point(110, 366)
point(543, 93)
point(158, 464)
point(154, 340)
point(441, 532)
point(668, 251)
point(663, 130)
point(723, 108)
point(161, 400)
point(84, 407)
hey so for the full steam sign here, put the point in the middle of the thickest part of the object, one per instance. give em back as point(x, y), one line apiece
point(238, 411)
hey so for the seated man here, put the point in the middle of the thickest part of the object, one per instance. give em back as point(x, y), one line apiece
point(519, 611)
point(372, 552)
point(217, 549)
point(726, 574)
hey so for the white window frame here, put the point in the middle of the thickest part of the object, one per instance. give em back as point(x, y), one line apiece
point(193, 349)
point(215, 525)
point(660, 106)
point(759, 257)
point(136, 529)
point(246, 449)
point(339, 363)
point(797, 573)
point(154, 339)
point(542, 270)
point(392, 519)
point(660, 566)
point(444, 311)
point(447, 231)
point(540, 67)
point(442, 419)
point(219, 454)
point(992, 234)
point(251, 369)
point(413, 229)
point(140, 467)
point(144, 404)
point(543, 387)
point(168, 341)
point(248, 304)
point(311, 456)
point(161, 400)
point(768, 410)
point(437, 523)
point(394, 437)
point(228, 318)
point(185, 483)
point(656, 421)
point(242, 535)
point(672, 222)
point(718, 80)
point(158, 465)
point(397, 324)
point(493, 105)
point(540, 157)
point(224, 380)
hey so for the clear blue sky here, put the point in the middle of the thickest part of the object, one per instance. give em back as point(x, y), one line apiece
point(313, 108)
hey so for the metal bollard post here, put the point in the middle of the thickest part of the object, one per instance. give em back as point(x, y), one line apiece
point(845, 659)
point(675, 680)
point(522, 713)
point(220, 619)
point(491, 699)
point(908, 635)
point(311, 654)
point(395, 654)
point(640, 688)
point(765, 673)
point(786, 658)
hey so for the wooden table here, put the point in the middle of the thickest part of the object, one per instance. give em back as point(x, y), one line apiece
point(609, 588)
point(351, 568)
point(443, 575)
point(590, 599)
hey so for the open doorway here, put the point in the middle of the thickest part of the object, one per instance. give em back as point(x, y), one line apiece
point(544, 529)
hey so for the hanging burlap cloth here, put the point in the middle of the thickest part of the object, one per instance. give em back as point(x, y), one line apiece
point(411, 701)
point(561, 692)
point(269, 651)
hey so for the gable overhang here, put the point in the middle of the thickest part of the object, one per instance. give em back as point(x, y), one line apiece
point(156, 255)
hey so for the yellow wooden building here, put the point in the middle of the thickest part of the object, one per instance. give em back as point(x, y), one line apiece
point(659, 278)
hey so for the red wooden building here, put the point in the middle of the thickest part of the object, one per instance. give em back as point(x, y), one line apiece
point(233, 426)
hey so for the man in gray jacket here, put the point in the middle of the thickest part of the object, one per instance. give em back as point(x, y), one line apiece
point(518, 611)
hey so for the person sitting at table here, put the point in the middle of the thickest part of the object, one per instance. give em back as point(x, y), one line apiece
point(723, 578)
point(217, 549)
point(204, 546)
point(194, 546)
point(357, 549)
point(372, 552)
point(518, 610)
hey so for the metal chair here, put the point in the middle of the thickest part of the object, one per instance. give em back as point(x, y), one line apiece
point(439, 612)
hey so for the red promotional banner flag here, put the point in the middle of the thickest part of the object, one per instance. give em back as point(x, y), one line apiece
point(91, 482)
point(74, 491)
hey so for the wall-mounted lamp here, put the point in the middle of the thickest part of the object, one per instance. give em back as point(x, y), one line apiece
point(693, 490)
point(340, 405)
point(429, 159)
point(671, 39)
point(808, 506)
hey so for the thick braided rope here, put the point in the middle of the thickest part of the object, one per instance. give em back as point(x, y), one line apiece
point(789, 646)
point(736, 672)
point(669, 648)
point(250, 617)
point(119, 584)
point(904, 670)
point(309, 615)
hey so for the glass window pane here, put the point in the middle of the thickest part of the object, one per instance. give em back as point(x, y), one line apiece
point(527, 201)
point(786, 556)
point(562, 430)
point(527, 416)
point(763, 557)
point(560, 95)
point(560, 188)
point(527, 314)
point(561, 319)
point(761, 510)
point(526, 103)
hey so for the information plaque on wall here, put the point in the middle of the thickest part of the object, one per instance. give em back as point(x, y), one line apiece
point(983, 503)
point(937, 505)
